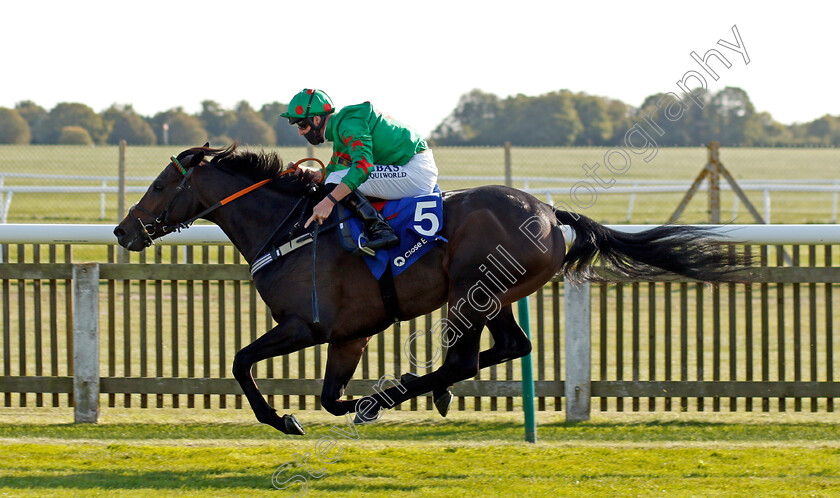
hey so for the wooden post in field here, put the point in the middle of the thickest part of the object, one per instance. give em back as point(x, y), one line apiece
point(86, 343)
point(578, 390)
point(714, 170)
point(122, 253)
point(713, 166)
point(121, 185)
point(508, 166)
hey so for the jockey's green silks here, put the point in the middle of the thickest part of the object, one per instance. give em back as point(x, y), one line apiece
point(354, 130)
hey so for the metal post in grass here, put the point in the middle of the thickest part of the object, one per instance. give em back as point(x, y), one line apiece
point(525, 323)
point(578, 352)
point(86, 343)
point(527, 376)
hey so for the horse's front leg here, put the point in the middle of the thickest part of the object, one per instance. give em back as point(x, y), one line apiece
point(342, 360)
point(291, 334)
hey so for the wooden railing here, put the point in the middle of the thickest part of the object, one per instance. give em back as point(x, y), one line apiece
point(169, 322)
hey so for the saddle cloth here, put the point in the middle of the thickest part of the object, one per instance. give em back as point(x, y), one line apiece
point(417, 221)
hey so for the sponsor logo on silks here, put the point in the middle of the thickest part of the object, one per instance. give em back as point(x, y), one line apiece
point(384, 171)
point(399, 261)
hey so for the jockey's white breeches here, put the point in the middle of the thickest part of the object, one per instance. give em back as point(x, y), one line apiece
point(417, 177)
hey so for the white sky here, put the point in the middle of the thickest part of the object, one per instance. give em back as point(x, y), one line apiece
point(413, 60)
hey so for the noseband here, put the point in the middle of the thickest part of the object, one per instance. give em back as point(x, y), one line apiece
point(160, 226)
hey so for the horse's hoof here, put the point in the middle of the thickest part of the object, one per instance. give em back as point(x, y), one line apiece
point(287, 424)
point(371, 412)
point(408, 377)
point(292, 426)
point(364, 418)
point(443, 401)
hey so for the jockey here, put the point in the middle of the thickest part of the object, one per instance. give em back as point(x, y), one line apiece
point(373, 155)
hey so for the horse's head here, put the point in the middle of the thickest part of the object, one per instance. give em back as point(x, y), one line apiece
point(166, 205)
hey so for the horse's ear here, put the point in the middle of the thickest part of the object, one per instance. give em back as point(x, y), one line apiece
point(193, 160)
point(206, 145)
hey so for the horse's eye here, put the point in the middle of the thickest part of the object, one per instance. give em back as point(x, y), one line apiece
point(157, 187)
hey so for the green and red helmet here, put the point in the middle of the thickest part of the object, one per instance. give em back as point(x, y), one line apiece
point(308, 103)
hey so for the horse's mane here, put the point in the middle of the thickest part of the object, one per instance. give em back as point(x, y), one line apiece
point(259, 166)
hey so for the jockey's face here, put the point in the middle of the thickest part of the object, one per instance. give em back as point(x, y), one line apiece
point(316, 120)
point(313, 131)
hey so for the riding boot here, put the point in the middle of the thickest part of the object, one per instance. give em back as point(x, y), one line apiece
point(379, 233)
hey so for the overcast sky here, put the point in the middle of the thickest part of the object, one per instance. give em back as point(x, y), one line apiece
point(413, 60)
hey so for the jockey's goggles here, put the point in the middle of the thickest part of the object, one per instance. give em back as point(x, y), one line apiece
point(302, 123)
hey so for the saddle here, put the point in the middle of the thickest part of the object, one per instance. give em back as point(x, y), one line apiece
point(417, 221)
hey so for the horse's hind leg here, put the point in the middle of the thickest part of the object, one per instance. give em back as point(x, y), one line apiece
point(509, 340)
point(509, 343)
point(291, 334)
point(461, 363)
point(342, 360)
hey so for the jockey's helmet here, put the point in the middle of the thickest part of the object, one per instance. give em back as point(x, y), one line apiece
point(307, 103)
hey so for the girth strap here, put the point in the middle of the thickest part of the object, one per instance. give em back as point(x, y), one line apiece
point(389, 294)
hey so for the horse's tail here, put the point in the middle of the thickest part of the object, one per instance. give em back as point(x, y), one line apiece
point(684, 250)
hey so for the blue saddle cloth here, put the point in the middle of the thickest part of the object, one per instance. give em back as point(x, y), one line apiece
point(417, 221)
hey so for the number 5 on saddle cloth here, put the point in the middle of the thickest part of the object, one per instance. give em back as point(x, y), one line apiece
point(417, 221)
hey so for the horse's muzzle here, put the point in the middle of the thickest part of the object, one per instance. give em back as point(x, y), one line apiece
point(124, 239)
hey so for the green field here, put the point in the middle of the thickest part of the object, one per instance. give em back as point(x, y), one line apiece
point(670, 164)
point(169, 453)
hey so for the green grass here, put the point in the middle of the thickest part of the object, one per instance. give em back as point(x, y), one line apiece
point(164, 453)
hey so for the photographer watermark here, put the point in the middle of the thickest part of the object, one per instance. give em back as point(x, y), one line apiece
point(639, 139)
point(500, 270)
point(328, 449)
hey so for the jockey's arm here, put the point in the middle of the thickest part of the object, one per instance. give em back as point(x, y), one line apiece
point(339, 192)
point(325, 207)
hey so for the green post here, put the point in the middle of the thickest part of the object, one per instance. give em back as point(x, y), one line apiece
point(527, 377)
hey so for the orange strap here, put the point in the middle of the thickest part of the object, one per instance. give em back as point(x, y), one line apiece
point(260, 184)
point(244, 191)
point(323, 169)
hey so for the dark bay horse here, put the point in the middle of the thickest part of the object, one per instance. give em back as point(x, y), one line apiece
point(503, 245)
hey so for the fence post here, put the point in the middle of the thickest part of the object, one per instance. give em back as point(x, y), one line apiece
point(578, 352)
point(121, 184)
point(714, 181)
point(122, 253)
point(527, 375)
point(86, 342)
point(508, 166)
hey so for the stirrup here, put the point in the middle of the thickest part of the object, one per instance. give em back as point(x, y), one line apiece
point(383, 241)
point(363, 249)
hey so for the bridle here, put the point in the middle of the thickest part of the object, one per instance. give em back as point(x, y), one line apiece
point(161, 225)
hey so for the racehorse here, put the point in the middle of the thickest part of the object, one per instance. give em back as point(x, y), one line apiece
point(264, 197)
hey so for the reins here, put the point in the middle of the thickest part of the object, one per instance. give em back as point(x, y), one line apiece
point(246, 190)
point(184, 185)
point(162, 218)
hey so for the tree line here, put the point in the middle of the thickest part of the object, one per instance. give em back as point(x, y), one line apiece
point(77, 124)
point(563, 118)
point(560, 118)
